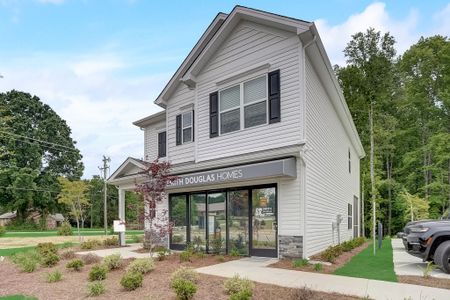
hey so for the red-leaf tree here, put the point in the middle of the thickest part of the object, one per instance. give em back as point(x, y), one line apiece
point(153, 191)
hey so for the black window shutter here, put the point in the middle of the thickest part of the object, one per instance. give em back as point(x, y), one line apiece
point(162, 144)
point(178, 127)
point(274, 97)
point(213, 115)
point(193, 125)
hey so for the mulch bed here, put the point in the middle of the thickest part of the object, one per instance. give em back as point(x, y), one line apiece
point(155, 285)
point(339, 262)
point(441, 283)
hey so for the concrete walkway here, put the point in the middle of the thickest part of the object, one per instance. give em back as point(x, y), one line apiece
point(125, 252)
point(256, 269)
point(406, 264)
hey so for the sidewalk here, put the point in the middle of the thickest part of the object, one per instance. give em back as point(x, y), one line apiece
point(256, 269)
point(125, 252)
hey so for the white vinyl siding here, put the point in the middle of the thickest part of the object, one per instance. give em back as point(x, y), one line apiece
point(329, 185)
point(151, 140)
point(247, 46)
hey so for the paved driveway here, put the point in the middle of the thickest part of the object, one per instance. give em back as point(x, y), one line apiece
point(406, 264)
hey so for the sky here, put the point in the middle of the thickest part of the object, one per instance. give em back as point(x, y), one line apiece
point(101, 64)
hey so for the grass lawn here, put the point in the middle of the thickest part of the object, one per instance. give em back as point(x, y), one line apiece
point(17, 297)
point(366, 265)
point(12, 251)
point(46, 233)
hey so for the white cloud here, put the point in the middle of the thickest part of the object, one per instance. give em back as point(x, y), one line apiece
point(51, 1)
point(442, 21)
point(336, 37)
point(98, 103)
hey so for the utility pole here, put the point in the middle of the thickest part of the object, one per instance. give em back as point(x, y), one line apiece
point(105, 168)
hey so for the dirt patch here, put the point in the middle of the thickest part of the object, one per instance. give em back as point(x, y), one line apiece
point(155, 285)
point(339, 262)
point(441, 283)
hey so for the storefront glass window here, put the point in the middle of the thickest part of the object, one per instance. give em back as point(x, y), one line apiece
point(216, 222)
point(238, 222)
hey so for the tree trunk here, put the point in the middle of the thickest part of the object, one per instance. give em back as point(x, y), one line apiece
point(78, 230)
point(372, 178)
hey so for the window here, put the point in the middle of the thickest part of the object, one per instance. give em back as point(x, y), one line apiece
point(162, 144)
point(184, 127)
point(244, 104)
point(349, 162)
point(350, 216)
point(187, 127)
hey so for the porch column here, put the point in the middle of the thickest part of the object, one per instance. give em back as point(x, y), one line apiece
point(122, 215)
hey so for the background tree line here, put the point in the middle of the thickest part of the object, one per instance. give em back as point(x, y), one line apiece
point(36, 149)
point(401, 108)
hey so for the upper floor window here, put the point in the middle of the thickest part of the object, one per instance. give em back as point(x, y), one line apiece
point(185, 127)
point(243, 105)
point(349, 216)
point(162, 144)
point(248, 104)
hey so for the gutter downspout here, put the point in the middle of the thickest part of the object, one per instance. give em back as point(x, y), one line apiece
point(303, 151)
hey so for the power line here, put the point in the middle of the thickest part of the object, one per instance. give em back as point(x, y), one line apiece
point(38, 140)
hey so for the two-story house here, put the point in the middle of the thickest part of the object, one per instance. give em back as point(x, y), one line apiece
point(261, 138)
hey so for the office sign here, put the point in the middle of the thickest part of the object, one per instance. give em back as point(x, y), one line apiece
point(275, 168)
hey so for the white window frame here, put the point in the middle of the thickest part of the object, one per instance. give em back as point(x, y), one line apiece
point(187, 127)
point(243, 105)
point(350, 216)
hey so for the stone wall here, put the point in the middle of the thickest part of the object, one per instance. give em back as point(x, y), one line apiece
point(291, 246)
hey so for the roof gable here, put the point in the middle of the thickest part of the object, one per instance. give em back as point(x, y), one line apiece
point(130, 167)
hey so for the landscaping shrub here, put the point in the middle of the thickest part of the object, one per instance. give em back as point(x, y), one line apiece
point(234, 252)
point(221, 258)
point(163, 253)
point(95, 289)
point(200, 254)
point(90, 244)
point(112, 241)
point(2, 230)
point(65, 229)
point(184, 289)
point(297, 263)
point(141, 265)
point(331, 253)
point(69, 254)
point(240, 285)
point(44, 248)
point(75, 264)
point(131, 280)
point(49, 259)
point(54, 276)
point(242, 295)
point(90, 259)
point(27, 261)
point(113, 262)
point(318, 267)
point(98, 272)
point(184, 273)
point(216, 245)
point(186, 256)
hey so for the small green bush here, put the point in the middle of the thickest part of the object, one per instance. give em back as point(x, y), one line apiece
point(44, 248)
point(90, 244)
point(27, 261)
point(65, 229)
point(216, 245)
point(2, 230)
point(234, 252)
point(186, 256)
point(90, 259)
point(184, 289)
point(69, 254)
point(331, 253)
point(242, 295)
point(54, 276)
point(95, 288)
point(237, 284)
point(318, 267)
point(113, 261)
point(185, 274)
point(112, 241)
point(220, 258)
point(75, 264)
point(163, 253)
point(141, 265)
point(98, 272)
point(49, 259)
point(131, 280)
point(297, 263)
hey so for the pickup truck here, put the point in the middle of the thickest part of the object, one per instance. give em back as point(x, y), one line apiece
point(430, 241)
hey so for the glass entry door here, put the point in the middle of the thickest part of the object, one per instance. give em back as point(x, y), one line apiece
point(264, 222)
point(178, 213)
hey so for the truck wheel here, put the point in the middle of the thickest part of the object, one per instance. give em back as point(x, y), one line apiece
point(442, 256)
